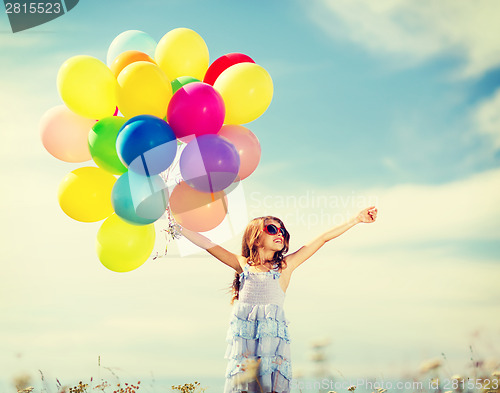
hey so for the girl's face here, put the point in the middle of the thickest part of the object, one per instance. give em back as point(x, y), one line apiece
point(272, 242)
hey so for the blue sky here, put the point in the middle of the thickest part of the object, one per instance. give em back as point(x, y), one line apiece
point(381, 102)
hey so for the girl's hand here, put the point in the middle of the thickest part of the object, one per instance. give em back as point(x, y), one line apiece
point(367, 215)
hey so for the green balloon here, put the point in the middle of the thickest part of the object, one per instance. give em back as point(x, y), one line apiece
point(102, 144)
point(181, 81)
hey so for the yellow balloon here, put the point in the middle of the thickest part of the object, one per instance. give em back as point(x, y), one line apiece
point(87, 87)
point(182, 52)
point(247, 90)
point(122, 247)
point(85, 194)
point(143, 89)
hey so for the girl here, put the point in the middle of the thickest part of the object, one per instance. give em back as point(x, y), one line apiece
point(258, 350)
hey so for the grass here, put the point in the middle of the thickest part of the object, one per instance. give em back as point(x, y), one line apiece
point(482, 377)
point(22, 385)
point(104, 387)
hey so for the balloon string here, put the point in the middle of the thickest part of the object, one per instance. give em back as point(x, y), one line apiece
point(171, 230)
point(145, 165)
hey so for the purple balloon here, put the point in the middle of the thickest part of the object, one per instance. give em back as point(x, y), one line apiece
point(209, 163)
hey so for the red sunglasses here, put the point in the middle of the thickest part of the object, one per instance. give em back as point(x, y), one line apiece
point(272, 230)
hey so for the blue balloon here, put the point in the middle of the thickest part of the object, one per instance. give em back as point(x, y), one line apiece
point(146, 144)
point(139, 200)
point(131, 40)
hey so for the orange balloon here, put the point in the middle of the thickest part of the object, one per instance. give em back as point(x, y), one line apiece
point(126, 58)
point(196, 210)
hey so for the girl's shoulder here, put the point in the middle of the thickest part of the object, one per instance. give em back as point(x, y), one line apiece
point(284, 266)
point(243, 262)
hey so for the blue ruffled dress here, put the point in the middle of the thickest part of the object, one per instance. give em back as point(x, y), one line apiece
point(258, 329)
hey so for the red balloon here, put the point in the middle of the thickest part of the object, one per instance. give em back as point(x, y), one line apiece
point(222, 63)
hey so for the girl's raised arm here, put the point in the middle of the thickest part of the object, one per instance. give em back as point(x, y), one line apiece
point(233, 260)
point(294, 260)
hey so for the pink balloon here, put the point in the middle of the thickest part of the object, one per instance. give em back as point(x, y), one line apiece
point(65, 134)
point(196, 108)
point(246, 144)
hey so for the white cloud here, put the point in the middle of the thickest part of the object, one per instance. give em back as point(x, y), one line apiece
point(465, 209)
point(461, 210)
point(487, 118)
point(371, 304)
point(415, 31)
point(25, 40)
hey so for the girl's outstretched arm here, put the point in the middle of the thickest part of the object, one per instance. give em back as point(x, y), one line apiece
point(233, 260)
point(293, 260)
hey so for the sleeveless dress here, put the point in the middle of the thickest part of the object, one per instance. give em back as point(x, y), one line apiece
point(258, 331)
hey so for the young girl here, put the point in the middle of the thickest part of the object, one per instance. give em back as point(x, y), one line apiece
point(258, 350)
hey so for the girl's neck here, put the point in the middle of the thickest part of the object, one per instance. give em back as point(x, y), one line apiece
point(265, 256)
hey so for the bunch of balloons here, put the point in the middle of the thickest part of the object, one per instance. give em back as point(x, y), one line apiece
point(133, 116)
